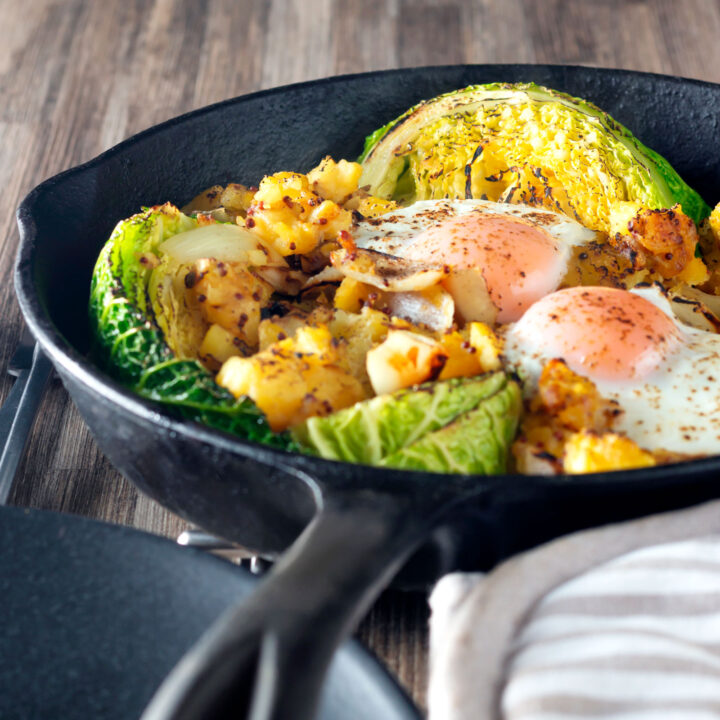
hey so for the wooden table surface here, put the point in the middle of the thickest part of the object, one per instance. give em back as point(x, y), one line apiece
point(78, 76)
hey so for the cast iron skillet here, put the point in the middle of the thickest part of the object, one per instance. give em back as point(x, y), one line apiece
point(360, 524)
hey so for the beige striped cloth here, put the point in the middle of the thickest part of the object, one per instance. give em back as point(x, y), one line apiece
point(621, 622)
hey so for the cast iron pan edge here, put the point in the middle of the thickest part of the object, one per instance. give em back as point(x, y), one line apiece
point(369, 520)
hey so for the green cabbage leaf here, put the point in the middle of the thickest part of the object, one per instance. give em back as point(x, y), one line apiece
point(463, 425)
point(453, 144)
point(129, 341)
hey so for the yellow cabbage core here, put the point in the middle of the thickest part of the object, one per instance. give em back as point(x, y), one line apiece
point(534, 153)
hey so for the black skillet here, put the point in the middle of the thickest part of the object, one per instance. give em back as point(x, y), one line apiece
point(360, 524)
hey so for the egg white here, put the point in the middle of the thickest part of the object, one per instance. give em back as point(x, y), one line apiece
point(675, 408)
point(395, 232)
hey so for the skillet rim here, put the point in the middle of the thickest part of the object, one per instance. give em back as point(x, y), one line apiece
point(309, 468)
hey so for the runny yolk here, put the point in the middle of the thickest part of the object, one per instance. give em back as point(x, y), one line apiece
point(519, 261)
point(602, 333)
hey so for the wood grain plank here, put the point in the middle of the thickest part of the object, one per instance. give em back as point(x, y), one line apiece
point(429, 34)
point(233, 48)
point(396, 630)
point(363, 36)
point(685, 30)
point(496, 32)
point(298, 42)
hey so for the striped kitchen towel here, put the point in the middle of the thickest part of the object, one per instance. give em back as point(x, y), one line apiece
point(621, 622)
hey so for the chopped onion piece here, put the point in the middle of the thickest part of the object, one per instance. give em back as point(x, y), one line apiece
point(403, 359)
point(326, 275)
point(223, 241)
point(471, 296)
point(387, 272)
point(433, 307)
point(696, 308)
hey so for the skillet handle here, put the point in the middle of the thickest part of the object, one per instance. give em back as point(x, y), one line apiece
point(17, 416)
point(266, 658)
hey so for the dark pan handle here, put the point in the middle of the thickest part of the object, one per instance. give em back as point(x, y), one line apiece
point(266, 658)
point(17, 416)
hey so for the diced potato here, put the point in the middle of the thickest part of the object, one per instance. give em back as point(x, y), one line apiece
point(335, 181)
point(317, 341)
point(217, 346)
point(293, 379)
point(294, 219)
point(540, 445)
point(270, 332)
point(572, 400)
point(402, 360)
point(239, 375)
point(588, 452)
point(230, 296)
point(326, 212)
point(694, 273)
point(462, 358)
point(530, 458)
point(565, 404)
point(487, 344)
point(664, 240)
point(368, 205)
point(352, 295)
point(360, 332)
point(371, 207)
point(288, 321)
point(321, 315)
point(289, 391)
point(204, 202)
point(237, 198)
point(353, 334)
point(474, 350)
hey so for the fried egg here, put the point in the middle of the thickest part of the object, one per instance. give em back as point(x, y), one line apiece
point(522, 252)
point(663, 374)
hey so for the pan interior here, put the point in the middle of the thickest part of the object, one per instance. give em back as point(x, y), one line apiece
point(66, 220)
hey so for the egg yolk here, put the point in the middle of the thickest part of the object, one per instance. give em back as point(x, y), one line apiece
point(519, 261)
point(602, 333)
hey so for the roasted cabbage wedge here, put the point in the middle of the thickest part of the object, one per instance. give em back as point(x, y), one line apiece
point(463, 425)
point(521, 143)
point(131, 345)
